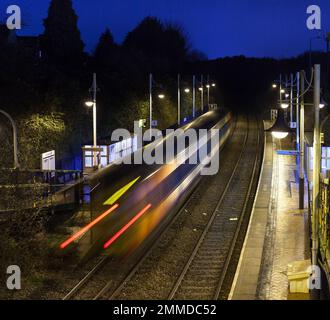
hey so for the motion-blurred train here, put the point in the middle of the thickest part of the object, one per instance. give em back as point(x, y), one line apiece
point(131, 203)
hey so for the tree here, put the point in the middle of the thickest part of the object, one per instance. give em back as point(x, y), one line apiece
point(176, 46)
point(147, 38)
point(158, 47)
point(106, 51)
point(61, 40)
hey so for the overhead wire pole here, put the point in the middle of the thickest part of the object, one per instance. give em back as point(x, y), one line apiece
point(302, 143)
point(297, 112)
point(316, 162)
point(328, 58)
point(291, 98)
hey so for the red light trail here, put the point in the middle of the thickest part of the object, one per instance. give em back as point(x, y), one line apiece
point(86, 228)
point(124, 228)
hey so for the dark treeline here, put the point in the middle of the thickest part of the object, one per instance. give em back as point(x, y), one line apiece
point(245, 84)
point(45, 80)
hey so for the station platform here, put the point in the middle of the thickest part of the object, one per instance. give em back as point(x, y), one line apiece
point(277, 233)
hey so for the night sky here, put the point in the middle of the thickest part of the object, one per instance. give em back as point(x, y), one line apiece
point(275, 28)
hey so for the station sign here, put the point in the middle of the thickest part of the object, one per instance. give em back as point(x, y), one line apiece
point(48, 160)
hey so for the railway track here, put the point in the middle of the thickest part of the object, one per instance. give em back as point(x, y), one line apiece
point(204, 273)
point(201, 261)
point(200, 268)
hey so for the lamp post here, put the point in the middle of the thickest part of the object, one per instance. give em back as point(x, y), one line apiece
point(302, 142)
point(281, 90)
point(202, 94)
point(194, 96)
point(161, 96)
point(179, 101)
point(16, 163)
point(208, 90)
point(93, 104)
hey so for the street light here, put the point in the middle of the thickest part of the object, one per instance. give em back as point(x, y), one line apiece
point(187, 90)
point(208, 86)
point(284, 105)
point(93, 104)
point(274, 85)
point(161, 96)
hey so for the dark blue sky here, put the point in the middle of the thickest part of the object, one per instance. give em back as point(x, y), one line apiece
point(275, 28)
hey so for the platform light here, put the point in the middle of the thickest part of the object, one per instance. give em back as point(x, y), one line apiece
point(161, 96)
point(187, 90)
point(323, 103)
point(282, 91)
point(279, 135)
point(274, 86)
point(213, 84)
point(89, 104)
point(284, 105)
point(280, 129)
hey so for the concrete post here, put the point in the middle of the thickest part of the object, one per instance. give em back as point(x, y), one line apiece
point(316, 163)
point(302, 144)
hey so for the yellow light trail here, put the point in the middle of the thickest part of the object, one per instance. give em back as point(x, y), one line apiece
point(118, 194)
